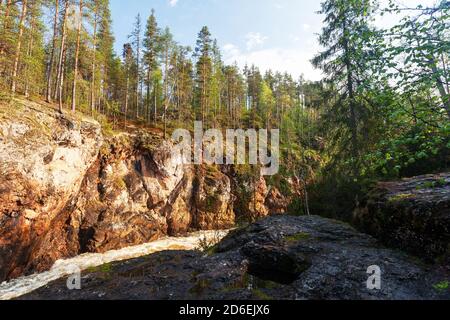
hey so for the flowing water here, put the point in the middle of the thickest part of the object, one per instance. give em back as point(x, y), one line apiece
point(21, 286)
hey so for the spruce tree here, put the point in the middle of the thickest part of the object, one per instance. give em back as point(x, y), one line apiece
point(345, 32)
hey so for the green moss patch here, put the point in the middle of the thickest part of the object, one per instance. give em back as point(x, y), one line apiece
point(297, 237)
point(442, 286)
point(200, 286)
point(440, 183)
point(401, 197)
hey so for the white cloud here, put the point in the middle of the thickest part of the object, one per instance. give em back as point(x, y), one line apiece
point(294, 61)
point(254, 39)
point(173, 3)
point(230, 50)
point(294, 38)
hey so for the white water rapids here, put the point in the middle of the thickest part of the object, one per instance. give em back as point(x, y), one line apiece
point(21, 286)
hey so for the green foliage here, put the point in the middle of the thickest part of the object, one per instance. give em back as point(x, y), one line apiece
point(416, 151)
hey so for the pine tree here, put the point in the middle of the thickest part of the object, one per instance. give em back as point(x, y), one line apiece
point(19, 45)
point(203, 52)
point(152, 51)
point(62, 49)
point(7, 34)
point(34, 58)
point(184, 84)
point(217, 82)
point(167, 46)
point(136, 42)
point(128, 58)
point(48, 94)
point(108, 64)
point(96, 8)
point(77, 53)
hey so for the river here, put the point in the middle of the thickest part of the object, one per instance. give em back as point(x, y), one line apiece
point(23, 285)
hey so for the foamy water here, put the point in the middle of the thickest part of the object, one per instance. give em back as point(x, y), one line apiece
point(21, 286)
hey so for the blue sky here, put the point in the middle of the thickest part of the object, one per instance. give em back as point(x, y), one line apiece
point(276, 34)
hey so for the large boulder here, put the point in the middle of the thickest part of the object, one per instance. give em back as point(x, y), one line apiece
point(412, 214)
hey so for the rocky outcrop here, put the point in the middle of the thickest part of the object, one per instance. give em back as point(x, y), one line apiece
point(253, 199)
point(281, 257)
point(43, 159)
point(412, 215)
point(213, 200)
point(65, 189)
point(275, 202)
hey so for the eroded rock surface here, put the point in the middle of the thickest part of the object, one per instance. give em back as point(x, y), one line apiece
point(279, 257)
point(412, 215)
point(43, 159)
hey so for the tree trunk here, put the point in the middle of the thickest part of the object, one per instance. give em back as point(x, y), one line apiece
point(351, 96)
point(52, 54)
point(77, 53)
point(148, 96)
point(19, 46)
point(127, 94)
point(155, 102)
point(59, 84)
point(445, 96)
point(166, 89)
point(5, 25)
point(138, 61)
point(62, 85)
point(30, 53)
point(94, 53)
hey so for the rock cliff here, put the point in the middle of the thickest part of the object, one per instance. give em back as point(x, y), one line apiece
point(66, 189)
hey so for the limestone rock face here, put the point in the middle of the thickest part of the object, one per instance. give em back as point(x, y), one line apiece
point(412, 214)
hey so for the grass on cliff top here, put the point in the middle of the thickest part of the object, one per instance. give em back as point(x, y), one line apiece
point(112, 125)
point(19, 108)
